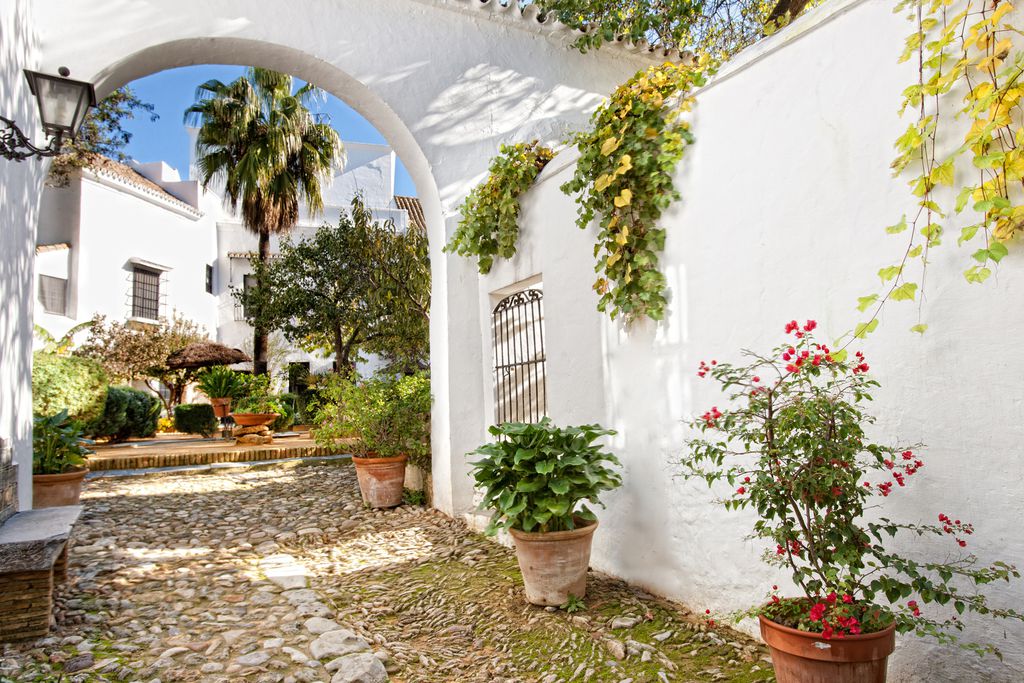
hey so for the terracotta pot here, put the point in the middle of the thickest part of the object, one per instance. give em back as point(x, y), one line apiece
point(381, 480)
point(221, 406)
point(554, 564)
point(253, 419)
point(55, 490)
point(802, 657)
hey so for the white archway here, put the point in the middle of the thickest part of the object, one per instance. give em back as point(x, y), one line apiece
point(445, 81)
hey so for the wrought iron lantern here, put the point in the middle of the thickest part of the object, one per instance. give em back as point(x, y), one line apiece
point(63, 104)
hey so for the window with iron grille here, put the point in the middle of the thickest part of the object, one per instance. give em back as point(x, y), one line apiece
point(209, 279)
point(520, 371)
point(248, 284)
point(53, 294)
point(145, 293)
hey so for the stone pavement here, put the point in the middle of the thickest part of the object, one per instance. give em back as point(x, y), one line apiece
point(280, 575)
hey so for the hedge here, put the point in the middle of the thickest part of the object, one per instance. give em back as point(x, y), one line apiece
point(78, 385)
point(195, 418)
point(128, 413)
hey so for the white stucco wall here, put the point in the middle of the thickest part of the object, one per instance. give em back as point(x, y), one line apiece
point(108, 223)
point(785, 198)
point(20, 184)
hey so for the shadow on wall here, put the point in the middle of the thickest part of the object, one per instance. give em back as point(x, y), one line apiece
point(20, 189)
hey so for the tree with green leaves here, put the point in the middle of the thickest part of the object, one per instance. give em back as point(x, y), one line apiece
point(259, 144)
point(131, 351)
point(362, 286)
point(102, 133)
point(718, 28)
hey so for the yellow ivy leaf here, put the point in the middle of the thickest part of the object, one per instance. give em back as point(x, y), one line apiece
point(1001, 11)
point(623, 236)
point(602, 182)
point(609, 146)
point(943, 173)
point(625, 163)
point(624, 198)
point(613, 259)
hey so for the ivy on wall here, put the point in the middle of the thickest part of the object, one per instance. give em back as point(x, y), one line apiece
point(969, 74)
point(490, 214)
point(624, 180)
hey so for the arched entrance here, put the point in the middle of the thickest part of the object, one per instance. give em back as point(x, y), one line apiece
point(445, 81)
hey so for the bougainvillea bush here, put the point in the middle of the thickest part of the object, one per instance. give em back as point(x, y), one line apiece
point(793, 445)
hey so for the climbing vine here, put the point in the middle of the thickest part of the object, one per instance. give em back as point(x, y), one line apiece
point(968, 71)
point(624, 179)
point(490, 214)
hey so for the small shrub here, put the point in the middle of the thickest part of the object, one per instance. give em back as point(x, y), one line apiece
point(68, 383)
point(195, 418)
point(56, 445)
point(286, 417)
point(165, 425)
point(115, 413)
point(141, 416)
point(414, 496)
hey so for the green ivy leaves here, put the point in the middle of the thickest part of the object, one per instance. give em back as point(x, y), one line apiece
point(490, 214)
point(624, 179)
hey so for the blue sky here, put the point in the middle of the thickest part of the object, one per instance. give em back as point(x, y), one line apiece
point(172, 91)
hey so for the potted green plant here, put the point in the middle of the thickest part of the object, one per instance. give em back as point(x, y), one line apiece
point(58, 461)
point(221, 385)
point(385, 420)
point(792, 445)
point(536, 479)
point(257, 405)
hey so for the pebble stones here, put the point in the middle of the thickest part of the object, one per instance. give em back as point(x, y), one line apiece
point(280, 575)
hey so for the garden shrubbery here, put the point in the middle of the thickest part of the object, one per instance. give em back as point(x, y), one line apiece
point(77, 385)
point(127, 413)
point(195, 418)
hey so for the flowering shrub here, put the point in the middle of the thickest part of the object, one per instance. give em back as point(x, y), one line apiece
point(793, 446)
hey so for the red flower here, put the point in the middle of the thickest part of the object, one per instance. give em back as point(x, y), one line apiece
point(847, 598)
point(810, 325)
point(755, 378)
point(818, 611)
point(914, 608)
point(741, 490)
point(791, 368)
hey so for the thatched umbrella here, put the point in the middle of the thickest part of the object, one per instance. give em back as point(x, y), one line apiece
point(205, 354)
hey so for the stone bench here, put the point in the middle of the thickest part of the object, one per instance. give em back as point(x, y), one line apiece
point(33, 554)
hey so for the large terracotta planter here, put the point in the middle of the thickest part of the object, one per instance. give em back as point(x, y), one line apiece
point(554, 564)
point(381, 480)
point(55, 490)
point(221, 407)
point(253, 419)
point(802, 657)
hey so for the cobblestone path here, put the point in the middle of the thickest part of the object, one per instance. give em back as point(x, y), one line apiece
point(280, 575)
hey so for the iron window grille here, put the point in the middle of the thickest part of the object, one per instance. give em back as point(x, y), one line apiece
point(520, 367)
point(53, 294)
point(248, 284)
point(145, 293)
point(209, 279)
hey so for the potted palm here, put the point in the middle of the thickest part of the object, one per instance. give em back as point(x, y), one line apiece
point(792, 445)
point(384, 420)
point(221, 385)
point(58, 461)
point(536, 478)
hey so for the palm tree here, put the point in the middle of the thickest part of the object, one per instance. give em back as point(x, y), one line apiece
point(259, 141)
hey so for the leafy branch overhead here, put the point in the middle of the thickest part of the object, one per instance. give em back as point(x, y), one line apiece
point(624, 179)
point(969, 72)
point(490, 214)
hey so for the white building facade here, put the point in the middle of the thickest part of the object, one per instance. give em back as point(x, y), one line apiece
point(135, 243)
